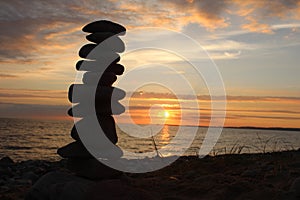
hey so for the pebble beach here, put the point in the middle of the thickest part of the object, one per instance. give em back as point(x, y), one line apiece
point(233, 176)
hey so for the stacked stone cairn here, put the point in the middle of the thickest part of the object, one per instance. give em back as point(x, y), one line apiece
point(101, 71)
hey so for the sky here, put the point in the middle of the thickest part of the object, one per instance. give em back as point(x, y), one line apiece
point(254, 44)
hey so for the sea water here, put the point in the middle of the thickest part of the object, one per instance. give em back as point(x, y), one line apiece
point(23, 139)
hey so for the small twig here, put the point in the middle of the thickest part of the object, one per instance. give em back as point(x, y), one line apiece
point(155, 146)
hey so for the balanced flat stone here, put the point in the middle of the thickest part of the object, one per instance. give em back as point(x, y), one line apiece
point(74, 134)
point(84, 93)
point(74, 150)
point(112, 42)
point(94, 78)
point(107, 123)
point(99, 37)
point(77, 150)
point(104, 26)
point(94, 66)
point(86, 49)
point(110, 108)
point(118, 69)
point(89, 51)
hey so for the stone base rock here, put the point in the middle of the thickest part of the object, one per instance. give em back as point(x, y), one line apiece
point(91, 169)
point(59, 186)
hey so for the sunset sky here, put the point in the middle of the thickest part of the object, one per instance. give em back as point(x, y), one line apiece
point(254, 44)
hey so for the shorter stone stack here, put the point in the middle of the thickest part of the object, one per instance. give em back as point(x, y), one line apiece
point(101, 70)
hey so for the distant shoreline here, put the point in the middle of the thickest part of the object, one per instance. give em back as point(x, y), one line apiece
point(256, 128)
point(244, 127)
point(265, 128)
point(225, 127)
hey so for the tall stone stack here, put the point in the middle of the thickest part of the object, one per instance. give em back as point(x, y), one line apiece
point(101, 71)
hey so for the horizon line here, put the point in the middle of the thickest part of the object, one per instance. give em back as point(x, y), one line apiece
point(200, 126)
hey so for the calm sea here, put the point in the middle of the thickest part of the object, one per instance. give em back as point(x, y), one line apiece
point(38, 139)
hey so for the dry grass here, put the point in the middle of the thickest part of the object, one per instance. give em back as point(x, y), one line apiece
point(261, 145)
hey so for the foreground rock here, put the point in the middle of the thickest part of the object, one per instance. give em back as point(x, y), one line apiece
point(64, 186)
point(59, 186)
point(18, 177)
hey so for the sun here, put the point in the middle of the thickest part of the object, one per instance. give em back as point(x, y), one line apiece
point(166, 114)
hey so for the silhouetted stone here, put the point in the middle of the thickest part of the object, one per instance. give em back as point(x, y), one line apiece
point(93, 78)
point(103, 93)
point(95, 66)
point(86, 49)
point(107, 123)
point(99, 37)
point(96, 101)
point(115, 68)
point(104, 26)
point(104, 108)
point(77, 150)
point(74, 150)
point(108, 41)
point(74, 133)
point(105, 56)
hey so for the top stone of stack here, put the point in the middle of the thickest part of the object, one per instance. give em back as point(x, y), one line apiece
point(104, 26)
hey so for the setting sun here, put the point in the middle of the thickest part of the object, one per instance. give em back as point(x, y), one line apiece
point(167, 114)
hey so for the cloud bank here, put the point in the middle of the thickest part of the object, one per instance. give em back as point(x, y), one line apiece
point(28, 29)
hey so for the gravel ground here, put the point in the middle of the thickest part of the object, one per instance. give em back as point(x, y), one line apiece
point(244, 176)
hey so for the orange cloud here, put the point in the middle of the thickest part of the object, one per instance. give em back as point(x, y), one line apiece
point(34, 111)
point(258, 12)
point(255, 26)
point(8, 76)
point(206, 13)
point(44, 97)
point(25, 35)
